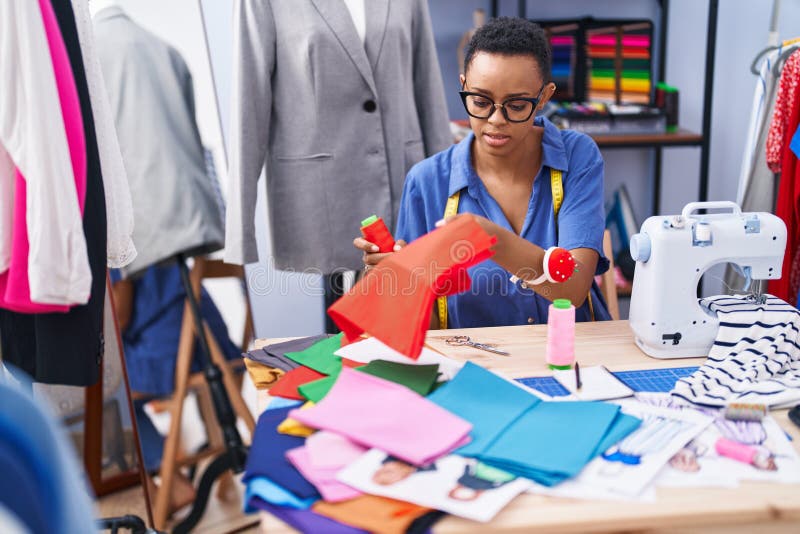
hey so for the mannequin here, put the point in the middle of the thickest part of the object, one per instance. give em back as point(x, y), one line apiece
point(337, 123)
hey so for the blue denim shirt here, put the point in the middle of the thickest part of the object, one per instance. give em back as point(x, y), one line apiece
point(493, 300)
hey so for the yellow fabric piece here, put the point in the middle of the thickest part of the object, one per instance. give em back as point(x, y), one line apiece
point(295, 428)
point(264, 376)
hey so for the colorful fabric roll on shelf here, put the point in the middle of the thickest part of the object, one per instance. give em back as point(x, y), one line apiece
point(619, 64)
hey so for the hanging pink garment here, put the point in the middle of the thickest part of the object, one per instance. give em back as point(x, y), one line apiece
point(14, 283)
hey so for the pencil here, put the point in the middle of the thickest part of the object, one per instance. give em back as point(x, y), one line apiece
point(577, 376)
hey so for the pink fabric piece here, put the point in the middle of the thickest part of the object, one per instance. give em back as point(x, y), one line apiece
point(330, 450)
point(377, 413)
point(324, 479)
point(14, 284)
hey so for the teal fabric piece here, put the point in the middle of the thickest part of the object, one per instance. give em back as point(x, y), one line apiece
point(553, 441)
point(320, 357)
point(517, 432)
point(484, 399)
point(623, 425)
point(271, 492)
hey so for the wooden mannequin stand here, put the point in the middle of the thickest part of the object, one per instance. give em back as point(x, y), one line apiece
point(225, 396)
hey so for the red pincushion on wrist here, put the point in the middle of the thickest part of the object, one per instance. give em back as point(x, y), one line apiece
point(560, 265)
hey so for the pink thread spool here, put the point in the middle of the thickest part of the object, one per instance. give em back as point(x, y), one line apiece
point(560, 350)
point(735, 450)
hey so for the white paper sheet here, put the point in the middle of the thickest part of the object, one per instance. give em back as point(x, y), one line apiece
point(597, 383)
point(453, 484)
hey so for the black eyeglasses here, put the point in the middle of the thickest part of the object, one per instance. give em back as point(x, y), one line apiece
point(517, 109)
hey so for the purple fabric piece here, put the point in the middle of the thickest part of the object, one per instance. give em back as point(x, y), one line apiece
point(304, 520)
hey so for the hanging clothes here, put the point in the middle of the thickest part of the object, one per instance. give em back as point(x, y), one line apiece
point(780, 158)
point(337, 123)
point(67, 348)
point(150, 89)
point(15, 292)
point(119, 209)
point(758, 184)
point(30, 121)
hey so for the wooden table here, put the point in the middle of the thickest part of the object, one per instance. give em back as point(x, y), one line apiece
point(766, 507)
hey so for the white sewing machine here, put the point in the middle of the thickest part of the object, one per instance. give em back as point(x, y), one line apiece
point(673, 251)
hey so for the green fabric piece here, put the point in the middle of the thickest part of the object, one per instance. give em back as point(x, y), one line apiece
point(418, 378)
point(320, 357)
point(315, 391)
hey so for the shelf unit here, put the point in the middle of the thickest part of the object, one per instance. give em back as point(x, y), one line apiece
point(682, 137)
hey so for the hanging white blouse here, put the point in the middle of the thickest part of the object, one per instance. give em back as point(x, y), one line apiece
point(119, 208)
point(32, 133)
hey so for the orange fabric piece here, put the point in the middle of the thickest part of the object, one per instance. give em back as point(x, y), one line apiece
point(286, 386)
point(393, 302)
point(375, 514)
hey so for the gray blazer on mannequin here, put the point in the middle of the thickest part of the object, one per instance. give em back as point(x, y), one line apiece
point(336, 123)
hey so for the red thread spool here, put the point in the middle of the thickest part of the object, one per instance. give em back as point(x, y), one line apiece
point(374, 230)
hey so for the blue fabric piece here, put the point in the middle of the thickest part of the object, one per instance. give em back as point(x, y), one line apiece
point(552, 441)
point(48, 460)
point(267, 490)
point(795, 143)
point(282, 402)
point(267, 456)
point(303, 520)
point(484, 399)
point(151, 338)
point(493, 300)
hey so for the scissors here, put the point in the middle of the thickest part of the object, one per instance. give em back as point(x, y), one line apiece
point(456, 341)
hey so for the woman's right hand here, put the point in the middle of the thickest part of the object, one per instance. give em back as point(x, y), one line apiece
point(371, 257)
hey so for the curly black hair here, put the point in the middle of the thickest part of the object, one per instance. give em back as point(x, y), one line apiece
point(511, 36)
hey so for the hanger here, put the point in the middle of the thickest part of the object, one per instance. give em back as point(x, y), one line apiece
point(790, 45)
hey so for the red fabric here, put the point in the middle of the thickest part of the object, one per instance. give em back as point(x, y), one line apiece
point(286, 386)
point(780, 129)
point(393, 302)
point(788, 204)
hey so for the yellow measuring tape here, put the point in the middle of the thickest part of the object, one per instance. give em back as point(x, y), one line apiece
point(441, 303)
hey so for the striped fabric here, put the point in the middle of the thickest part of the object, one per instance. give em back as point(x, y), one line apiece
point(755, 357)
